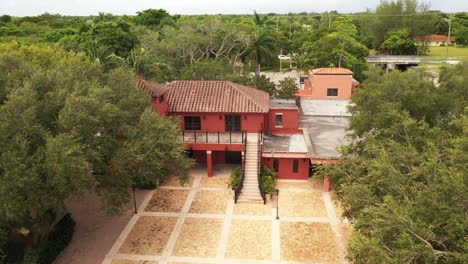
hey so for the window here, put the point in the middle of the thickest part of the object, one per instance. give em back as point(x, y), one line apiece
point(161, 99)
point(295, 166)
point(192, 123)
point(332, 92)
point(279, 120)
point(276, 165)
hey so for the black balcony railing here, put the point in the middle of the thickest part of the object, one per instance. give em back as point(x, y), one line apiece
point(214, 137)
point(259, 172)
point(239, 187)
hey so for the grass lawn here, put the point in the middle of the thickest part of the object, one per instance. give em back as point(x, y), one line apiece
point(454, 52)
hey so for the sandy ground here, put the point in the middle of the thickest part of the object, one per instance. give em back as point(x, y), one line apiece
point(247, 240)
point(205, 232)
point(225, 233)
point(95, 232)
point(149, 235)
point(125, 261)
point(308, 242)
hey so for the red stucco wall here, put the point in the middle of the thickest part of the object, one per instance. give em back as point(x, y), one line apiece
point(211, 122)
point(286, 168)
point(318, 85)
point(254, 122)
point(290, 120)
point(219, 157)
point(214, 147)
point(160, 107)
point(199, 156)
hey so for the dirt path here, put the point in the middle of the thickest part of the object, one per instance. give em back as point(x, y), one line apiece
point(95, 232)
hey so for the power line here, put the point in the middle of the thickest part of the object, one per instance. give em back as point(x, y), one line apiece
point(363, 15)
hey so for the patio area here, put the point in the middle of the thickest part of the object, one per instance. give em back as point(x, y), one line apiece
point(199, 223)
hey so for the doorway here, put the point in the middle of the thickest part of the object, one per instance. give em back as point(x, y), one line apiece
point(233, 123)
point(233, 157)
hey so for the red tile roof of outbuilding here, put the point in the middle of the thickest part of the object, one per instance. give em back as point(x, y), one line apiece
point(332, 71)
point(154, 89)
point(435, 38)
point(216, 96)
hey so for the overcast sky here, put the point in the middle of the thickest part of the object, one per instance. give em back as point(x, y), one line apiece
point(129, 7)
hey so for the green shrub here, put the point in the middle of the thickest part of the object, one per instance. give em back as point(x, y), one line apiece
point(269, 180)
point(142, 182)
point(32, 255)
point(236, 176)
point(57, 241)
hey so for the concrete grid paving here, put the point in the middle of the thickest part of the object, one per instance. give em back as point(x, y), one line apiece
point(227, 220)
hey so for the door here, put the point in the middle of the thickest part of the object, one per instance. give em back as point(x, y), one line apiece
point(233, 123)
point(233, 157)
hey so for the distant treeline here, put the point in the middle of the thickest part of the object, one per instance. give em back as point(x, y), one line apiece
point(164, 47)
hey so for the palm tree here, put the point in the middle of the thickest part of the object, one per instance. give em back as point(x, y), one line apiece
point(301, 60)
point(97, 52)
point(139, 61)
point(260, 21)
point(264, 40)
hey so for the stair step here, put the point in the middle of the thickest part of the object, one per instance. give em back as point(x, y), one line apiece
point(240, 200)
point(253, 193)
point(250, 201)
point(256, 197)
point(250, 188)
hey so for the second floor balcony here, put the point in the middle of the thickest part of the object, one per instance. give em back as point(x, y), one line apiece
point(214, 137)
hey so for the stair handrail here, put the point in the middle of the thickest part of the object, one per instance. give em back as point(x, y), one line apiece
point(239, 187)
point(259, 174)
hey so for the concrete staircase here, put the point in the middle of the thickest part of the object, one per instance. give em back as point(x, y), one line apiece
point(250, 191)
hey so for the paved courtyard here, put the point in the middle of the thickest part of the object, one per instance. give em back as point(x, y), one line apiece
point(199, 223)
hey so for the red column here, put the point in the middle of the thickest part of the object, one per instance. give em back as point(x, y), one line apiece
point(326, 184)
point(209, 163)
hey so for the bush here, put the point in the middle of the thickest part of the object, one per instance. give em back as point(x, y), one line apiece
point(236, 176)
point(286, 89)
point(269, 180)
point(58, 240)
point(141, 182)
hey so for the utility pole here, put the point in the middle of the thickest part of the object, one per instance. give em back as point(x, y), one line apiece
point(281, 61)
point(449, 20)
point(277, 23)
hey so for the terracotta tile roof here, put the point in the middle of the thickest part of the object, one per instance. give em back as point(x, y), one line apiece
point(154, 89)
point(285, 155)
point(435, 38)
point(216, 96)
point(328, 71)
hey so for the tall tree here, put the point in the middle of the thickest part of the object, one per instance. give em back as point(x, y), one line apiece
point(63, 120)
point(405, 171)
point(338, 47)
point(264, 41)
point(400, 43)
point(155, 18)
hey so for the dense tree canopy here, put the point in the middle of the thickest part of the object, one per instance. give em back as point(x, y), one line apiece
point(68, 127)
point(338, 47)
point(399, 43)
point(250, 43)
point(402, 180)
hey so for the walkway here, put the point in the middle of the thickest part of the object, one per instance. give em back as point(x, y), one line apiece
point(200, 223)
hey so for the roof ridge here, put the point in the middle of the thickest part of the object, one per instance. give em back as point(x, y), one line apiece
point(155, 89)
point(216, 95)
point(253, 100)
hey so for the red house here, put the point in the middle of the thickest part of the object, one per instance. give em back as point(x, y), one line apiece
point(224, 122)
point(328, 83)
point(436, 40)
